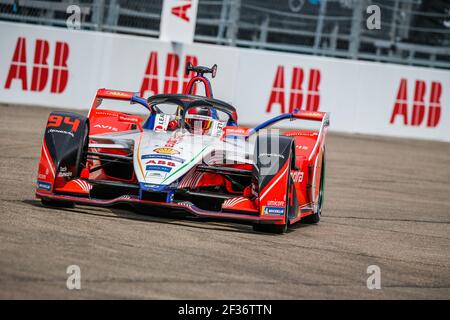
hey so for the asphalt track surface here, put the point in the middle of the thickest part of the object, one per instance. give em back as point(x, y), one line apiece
point(387, 203)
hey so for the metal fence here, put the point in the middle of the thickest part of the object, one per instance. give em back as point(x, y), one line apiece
point(413, 32)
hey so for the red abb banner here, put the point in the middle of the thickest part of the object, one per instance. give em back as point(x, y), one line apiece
point(420, 108)
point(55, 67)
point(149, 84)
point(301, 97)
point(41, 70)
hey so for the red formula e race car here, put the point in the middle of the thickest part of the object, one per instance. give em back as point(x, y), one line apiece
point(185, 152)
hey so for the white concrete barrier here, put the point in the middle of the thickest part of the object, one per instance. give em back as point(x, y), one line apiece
point(56, 67)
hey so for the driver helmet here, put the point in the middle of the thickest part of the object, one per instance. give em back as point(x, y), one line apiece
point(198, 119)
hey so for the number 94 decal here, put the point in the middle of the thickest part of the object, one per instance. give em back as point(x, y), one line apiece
point(57, 121)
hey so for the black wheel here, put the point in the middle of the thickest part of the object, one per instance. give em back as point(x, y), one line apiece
point(315, 217)
point(57, 204)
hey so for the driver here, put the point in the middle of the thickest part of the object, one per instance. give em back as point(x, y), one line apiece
point(198, 120)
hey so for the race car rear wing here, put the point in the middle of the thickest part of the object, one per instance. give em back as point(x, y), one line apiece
point(106, 120)
point(310, 115)
point(104, 93)
point(114, 94)
point(323, 117)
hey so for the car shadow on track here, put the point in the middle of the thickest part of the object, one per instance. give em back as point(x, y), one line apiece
point(158, 216)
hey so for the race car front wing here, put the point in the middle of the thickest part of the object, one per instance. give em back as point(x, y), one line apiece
point(186, 206)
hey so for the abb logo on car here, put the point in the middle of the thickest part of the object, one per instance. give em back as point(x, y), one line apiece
point(41, 70)
point(297, 93)
point(180, 10)
point(149, 84)
point(419, 109)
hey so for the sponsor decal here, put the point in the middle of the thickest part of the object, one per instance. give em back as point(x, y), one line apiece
point(61, 131)
point(161, 122)
point(44, 185)
point(158, 168)
point(57, 121)
point(161, 162)
point(152, 186)
point(64, 173)
point(105, 113)
point(117, 93)
point(218, 128)
point(162, 156)
point(311, 113)
point(276, 203)
point(130, 119)
point(230, 131)
point(297, 176)
point(166, 150)
point(273, 211)
point(41, 70)
point(101, 126)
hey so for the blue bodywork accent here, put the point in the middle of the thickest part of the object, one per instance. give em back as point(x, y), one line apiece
point(274, 211)
point(270, 122)
point(152, 187)
point(141, 101)
point(162, 156)
point(44, 185)
point(169, 197)
point(168, 189)
point(150, 123)
point(158, 168)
